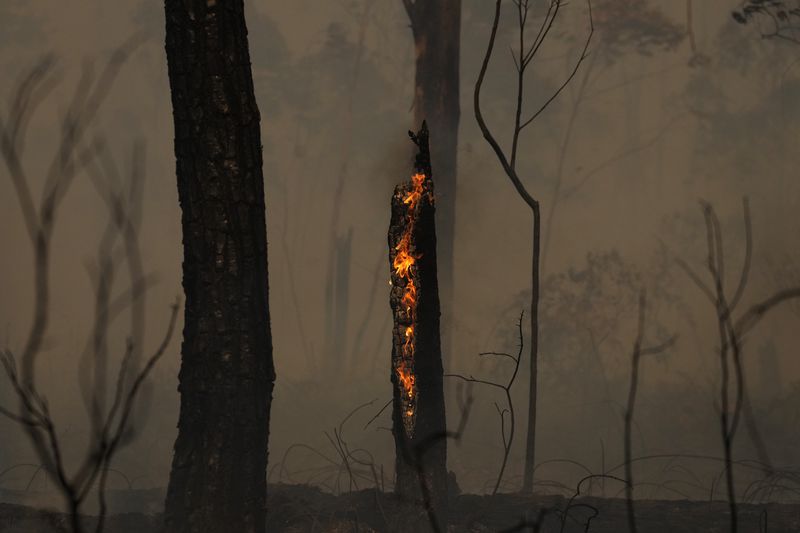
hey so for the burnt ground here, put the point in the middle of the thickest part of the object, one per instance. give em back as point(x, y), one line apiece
point(300, 508)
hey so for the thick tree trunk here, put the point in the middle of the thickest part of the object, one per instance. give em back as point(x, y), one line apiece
point(418, 413)
point(218, 478)
point(436, 27)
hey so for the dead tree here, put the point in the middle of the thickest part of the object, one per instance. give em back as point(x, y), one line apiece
point(436, 28)
point(110, 416)
point(639, 350)
point(731, 329)
point(523, 57)
point(218, 477)
point(418, 410)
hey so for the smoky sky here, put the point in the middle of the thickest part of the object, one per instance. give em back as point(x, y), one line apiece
point(655, 120)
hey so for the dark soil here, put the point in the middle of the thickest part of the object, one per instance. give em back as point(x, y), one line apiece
point(300, 508)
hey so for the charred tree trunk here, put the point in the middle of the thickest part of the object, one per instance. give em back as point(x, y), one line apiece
point(436, 27)
point(418, 412)
point(218, 477)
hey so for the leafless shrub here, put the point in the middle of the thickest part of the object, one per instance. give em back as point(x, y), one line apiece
point(507, 436)
point(355, 464)
point(109, 415)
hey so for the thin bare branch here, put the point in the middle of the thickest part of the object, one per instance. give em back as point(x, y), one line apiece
point(754, 314)
point(487, 134)
point(581, 59)
point(659, 348)
point(705, 289)
point(500, 354)
point(382, 409)
point(471, 379)
point(18, 418)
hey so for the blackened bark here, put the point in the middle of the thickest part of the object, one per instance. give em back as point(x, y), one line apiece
point(436, 28)
point(420, 443)
point(218, 478)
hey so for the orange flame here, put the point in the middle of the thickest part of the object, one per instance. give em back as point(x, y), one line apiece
point(404, 268)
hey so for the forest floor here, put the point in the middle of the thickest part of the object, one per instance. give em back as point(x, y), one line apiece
point(300, 508)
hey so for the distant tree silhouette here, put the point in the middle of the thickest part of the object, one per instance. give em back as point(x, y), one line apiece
point(733, 327)
point(778, 19)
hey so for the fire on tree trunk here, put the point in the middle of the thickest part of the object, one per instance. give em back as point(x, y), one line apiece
point(418, 412)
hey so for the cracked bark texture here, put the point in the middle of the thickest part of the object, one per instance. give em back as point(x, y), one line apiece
point(436, 28)
point(218, 477)
point(420, 457)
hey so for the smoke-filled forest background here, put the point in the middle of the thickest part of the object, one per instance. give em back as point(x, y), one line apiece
point(666, 110)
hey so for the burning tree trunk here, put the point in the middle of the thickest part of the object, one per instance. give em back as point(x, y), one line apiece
point(418, 412)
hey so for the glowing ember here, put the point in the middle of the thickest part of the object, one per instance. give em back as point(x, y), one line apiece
point(404, 268)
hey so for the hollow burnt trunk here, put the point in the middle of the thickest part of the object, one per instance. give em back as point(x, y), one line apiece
point(218, 477)
point(418, 412)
